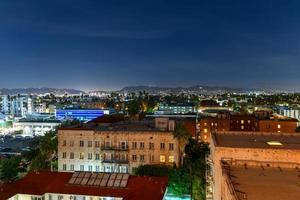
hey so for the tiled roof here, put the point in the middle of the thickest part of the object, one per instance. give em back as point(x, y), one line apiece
point(39, 183)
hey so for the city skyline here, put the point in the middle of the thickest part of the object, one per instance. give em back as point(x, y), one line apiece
point(109, 45)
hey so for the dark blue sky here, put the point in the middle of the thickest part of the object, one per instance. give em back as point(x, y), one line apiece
point(110, 44)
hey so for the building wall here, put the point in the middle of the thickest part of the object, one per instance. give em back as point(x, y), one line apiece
point(277, 126)
point(124, 159)
point(268, 156)
point(49, 196)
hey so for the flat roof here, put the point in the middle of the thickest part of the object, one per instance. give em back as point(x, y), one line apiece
point(39, 183)
point(266, 140)
point(268, 183)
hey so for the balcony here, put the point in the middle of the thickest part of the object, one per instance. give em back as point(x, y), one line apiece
point(114, 148)
point(119, 161)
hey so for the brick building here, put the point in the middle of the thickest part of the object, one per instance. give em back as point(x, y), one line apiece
point(229, 121)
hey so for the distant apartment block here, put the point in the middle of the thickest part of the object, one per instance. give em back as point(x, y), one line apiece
point(186, 108)
point(290, 112)
point(17, 105)
point(228, 121)
point(117, 147)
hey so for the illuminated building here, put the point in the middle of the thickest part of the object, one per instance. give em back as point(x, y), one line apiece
point(117, 147)
point(84, 186)
point(246, 165)
point(228, 121)
point(17, 106)
point(186, 108)
point(80, 114)
point(30, 127)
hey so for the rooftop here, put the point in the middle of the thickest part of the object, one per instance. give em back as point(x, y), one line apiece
point(236, 139)
point(39, 183)
point(269, 183)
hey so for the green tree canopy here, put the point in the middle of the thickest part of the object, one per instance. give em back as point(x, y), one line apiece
point(9, 168)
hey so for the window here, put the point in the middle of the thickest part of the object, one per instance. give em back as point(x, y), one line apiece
point(171, 159)
point(134, 145)
point(151, 158)
point(90, 143)
point(123, 145)
point(97, 156)
point(107, 144)
point(81, 167)
point(97, 168)
point(64, 143)
point(71, 143)
point(162, 146)
point(142, 158)
point(171, 146)
point(72, 167)
point(242, 121)
point(81, 143)
point(97, 144)
point(64, 155)
point(90, 156)
point(242, 127)
point(134, 157)
point(64, 167)
point(90, 168)
point(151, 145)
point(162, 158)
point(278, 126)
point(205, 130)
point(71, 155)
point(81, 155)
point(142, 145)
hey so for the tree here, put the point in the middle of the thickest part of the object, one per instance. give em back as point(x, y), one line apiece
point(178, 177)
point(133, 108)
point(195, 163)
point(9, 169)
point(181, 133)
point(46, 152)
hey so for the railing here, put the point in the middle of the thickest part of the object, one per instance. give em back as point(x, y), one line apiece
point(120, 161)
point(114, 148)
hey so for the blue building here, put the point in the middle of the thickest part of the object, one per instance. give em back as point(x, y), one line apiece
point(79, 114)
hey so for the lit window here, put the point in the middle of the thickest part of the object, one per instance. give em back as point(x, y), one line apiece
point(205, 130)
point(274, 143)
point(205, 124)
point(205, 137)
point(242, 121)
point(81, 155)
point(242, 127)
point(278, 126)
point(162, 158)
point(171, 159)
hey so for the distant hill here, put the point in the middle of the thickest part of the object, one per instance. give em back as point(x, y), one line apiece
point(198, 89)
point(37, 91)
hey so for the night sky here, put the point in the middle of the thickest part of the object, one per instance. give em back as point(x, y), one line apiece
point(107, 44)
